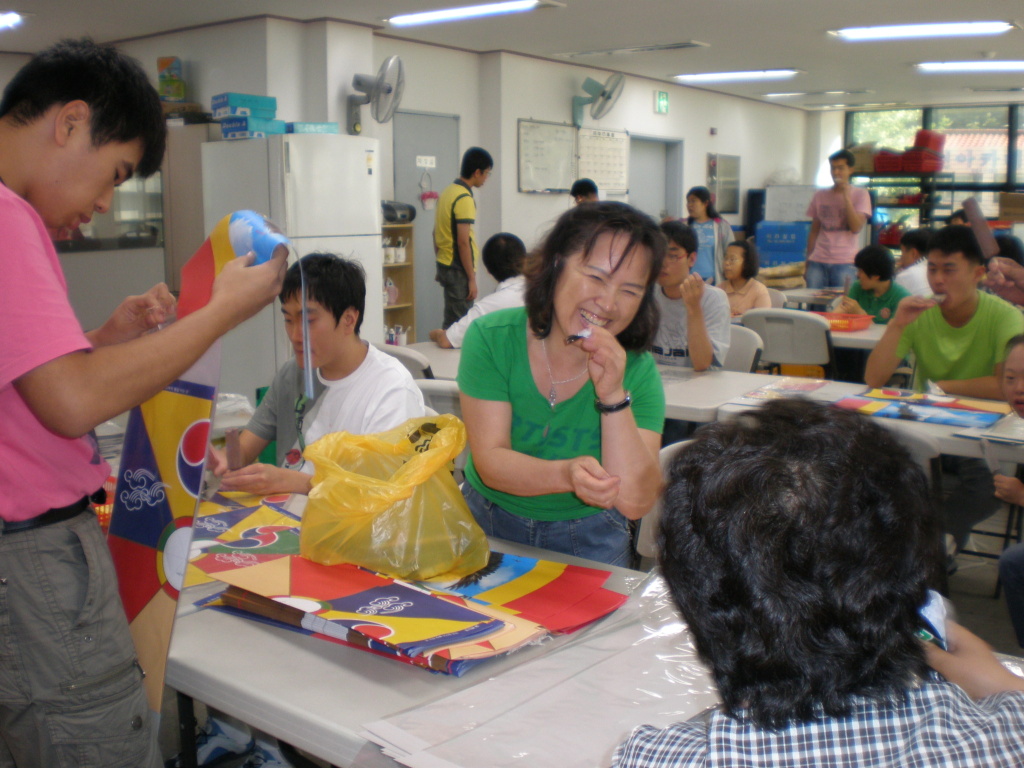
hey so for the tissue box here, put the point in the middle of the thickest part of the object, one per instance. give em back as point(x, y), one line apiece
point(243, 104)
point(313, 128)
point(249, 127)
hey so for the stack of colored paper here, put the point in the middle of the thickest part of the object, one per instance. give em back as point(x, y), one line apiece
point(443, 627)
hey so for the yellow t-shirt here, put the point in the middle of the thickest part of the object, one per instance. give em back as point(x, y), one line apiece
point(455, 206)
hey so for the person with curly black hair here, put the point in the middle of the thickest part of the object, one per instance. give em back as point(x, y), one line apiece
point(798, 542)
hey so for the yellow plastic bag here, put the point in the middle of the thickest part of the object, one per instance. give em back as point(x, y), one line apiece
point(388, 502)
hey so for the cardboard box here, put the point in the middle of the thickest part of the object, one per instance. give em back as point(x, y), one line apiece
point(243, 104)
point(1011, 206)
point(250, 127)
point(313, 128)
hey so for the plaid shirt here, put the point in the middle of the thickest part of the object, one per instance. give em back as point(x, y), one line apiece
point(936, 725)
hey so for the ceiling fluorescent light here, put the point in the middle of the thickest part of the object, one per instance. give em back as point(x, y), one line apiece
point(987, 66)
point(10, 20)
point(469, 12)
point(909, 31)
point(812, 93)
point(761, 74)
point(636, 49)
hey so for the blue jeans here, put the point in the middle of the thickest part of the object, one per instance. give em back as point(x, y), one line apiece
point(605, 537)
point(819, 275)
point(1011, 571)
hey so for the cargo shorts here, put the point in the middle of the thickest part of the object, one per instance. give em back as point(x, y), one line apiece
point(71, 692)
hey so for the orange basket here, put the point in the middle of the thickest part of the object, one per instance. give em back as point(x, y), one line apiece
point(841, 322)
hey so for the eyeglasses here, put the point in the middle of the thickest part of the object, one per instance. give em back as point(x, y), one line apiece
point(732, 260)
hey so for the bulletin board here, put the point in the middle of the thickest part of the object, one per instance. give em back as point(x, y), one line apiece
point(547, 157)
point(604, 158)
point(787, 202)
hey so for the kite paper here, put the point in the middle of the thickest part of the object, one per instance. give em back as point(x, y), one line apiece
point(162, 463)
point(910, 411)
point(517, 599)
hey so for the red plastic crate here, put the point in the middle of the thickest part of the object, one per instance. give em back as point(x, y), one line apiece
point(933, 140)
point(922, 161)
point(887, 161)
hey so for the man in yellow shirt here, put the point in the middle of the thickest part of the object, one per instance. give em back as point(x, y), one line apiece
point(454, 239)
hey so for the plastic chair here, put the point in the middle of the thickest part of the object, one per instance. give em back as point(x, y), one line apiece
point(646, 538)
point(415, 361)
point(744, 350)
point(442, 395)
point(792, 337)
point(778, 298)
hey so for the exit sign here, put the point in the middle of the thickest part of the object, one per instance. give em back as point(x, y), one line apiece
point(661, 102)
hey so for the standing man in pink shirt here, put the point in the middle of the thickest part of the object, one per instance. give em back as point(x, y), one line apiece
point(75, 122)
point(838, 214)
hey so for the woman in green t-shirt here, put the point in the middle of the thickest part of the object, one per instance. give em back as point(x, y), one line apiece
point(563, 404)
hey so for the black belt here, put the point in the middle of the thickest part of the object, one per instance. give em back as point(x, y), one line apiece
point(56, 515)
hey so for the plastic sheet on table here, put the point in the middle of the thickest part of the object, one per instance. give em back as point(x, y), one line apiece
point(638, 666)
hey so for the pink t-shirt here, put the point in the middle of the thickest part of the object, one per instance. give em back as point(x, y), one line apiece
point(39, 470)
point(836, 244)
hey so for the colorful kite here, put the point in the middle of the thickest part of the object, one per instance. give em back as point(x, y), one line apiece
point(163, 458)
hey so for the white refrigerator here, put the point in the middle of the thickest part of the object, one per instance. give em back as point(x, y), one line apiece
point(323, 191)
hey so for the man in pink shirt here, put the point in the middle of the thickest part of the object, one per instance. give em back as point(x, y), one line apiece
point(75, 122)
point(838, 214)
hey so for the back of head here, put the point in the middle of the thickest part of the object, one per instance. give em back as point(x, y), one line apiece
point(503, 255)
point(331, 281)
point(957, 238)
point(875, 261)
point(797, 541)
point(681, 234)
point(577, 231)
point(123, 104)
point(916, 239)
point(475, 159)
point(959, 216)
point(583, 188)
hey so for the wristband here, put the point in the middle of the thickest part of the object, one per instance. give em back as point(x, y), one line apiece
point(615, 407)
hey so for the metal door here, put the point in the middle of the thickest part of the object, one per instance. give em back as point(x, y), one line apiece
point(432, 139)
point(655, 176)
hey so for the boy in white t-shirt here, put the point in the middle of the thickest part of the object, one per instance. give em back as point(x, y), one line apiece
point(503, 255)
point(357, 389)
point(364, 390)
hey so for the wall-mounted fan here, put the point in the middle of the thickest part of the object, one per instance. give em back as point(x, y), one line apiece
point(601, 99)
point(382, 92)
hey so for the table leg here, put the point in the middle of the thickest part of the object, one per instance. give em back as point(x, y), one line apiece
point(187, 731)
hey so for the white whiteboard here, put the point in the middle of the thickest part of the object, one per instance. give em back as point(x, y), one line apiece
point(547, 156)
point(787, 202)
point(604, 158)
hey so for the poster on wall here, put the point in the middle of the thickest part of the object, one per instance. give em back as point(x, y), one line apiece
point(724, 182)
point(604, 158)
point(547, 157)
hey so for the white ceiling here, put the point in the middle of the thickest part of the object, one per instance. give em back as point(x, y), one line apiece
point(741, 35)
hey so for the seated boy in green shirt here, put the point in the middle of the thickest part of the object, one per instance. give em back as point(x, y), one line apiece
point(874, 292)
point(958, 337)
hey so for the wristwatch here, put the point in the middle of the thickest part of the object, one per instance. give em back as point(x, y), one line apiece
point(614, 407)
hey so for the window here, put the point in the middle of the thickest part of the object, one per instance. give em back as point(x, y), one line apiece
point(977, 157)
point(976, 141)
point(891, 128)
